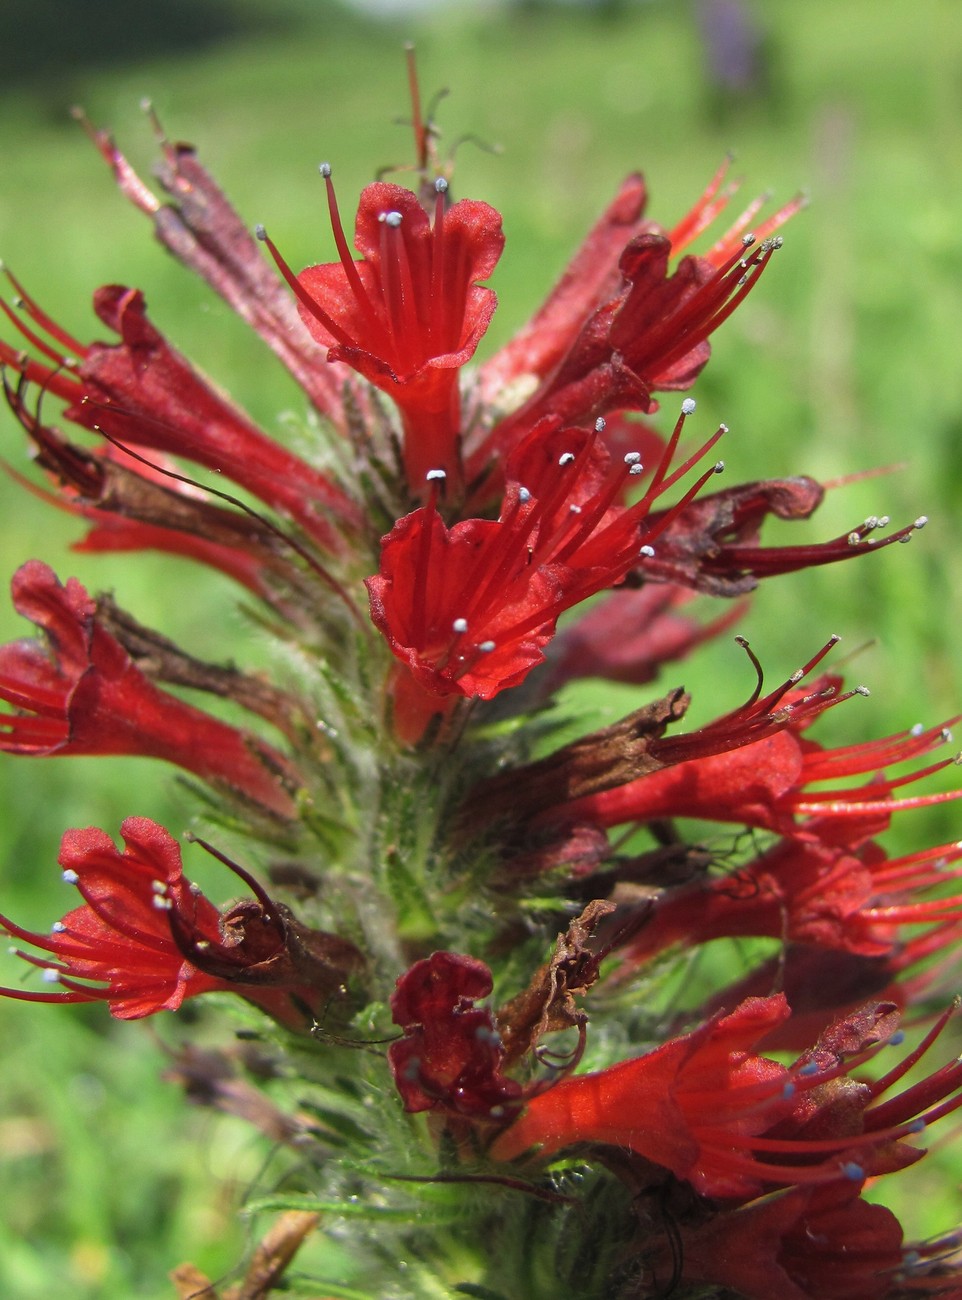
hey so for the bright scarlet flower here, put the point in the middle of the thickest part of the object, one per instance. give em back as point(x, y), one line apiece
point(720, 773)
point(89, 697)
point(714, 1113)
point(449, 1057)
point(470, 608)
point(411, 312)
point(151, 939)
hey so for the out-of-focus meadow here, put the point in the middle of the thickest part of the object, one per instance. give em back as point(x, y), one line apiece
point(844, 360)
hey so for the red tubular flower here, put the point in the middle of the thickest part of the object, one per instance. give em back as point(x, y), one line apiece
point(630, 635)
point(809, 1243)
point(823, 984)
point(723, 773)
point(90, 698)
point(469, 609)
point(133, 507)
point(204, 232)
point(591, 278)
point(714, 544)
point(619, 326)
point(807, 892)
point(142, 393)
point(449, 1057)
point(714, 1113)
point(411, 312)
point(152, 939)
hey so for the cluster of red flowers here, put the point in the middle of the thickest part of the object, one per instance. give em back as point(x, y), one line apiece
point(490, 503)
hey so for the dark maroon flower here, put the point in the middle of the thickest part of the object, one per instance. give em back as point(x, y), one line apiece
point(809, 1243)
point(449, 1057)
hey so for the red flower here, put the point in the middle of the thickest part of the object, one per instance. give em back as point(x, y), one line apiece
point(858, 900)
point(714, 544)
point(142, 393)
point(89, 697)
point(411, 312)
point(713, 1112)
point(202, 230)
point(722, 773)
point(449, 1057)
point(631, 634)
point(469, 609)
point(152, 939)
point(620, 325)
point(809, 1243)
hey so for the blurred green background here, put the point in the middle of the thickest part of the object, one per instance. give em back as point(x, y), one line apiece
point(845, 359)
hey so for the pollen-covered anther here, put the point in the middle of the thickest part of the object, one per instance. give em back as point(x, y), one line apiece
point(688, 406)
point(392, 218)
point(325, 170)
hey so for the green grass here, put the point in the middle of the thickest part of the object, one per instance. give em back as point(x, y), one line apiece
point(845, 359)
